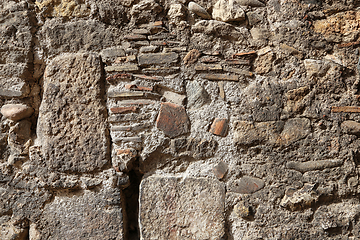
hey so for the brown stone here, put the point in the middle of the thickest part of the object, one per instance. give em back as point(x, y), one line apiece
point(120, 77)
point(173, 120)
point(219, 127)
point(221, 90)
point(135, 37)
point(238, 62)
point(204, 67)
point(246, 185)
point(158, 43)
point(122, 68)
point(243, 54)
point(152, 78)
point(157, 58)
point(16, 112)
point(192, 56)
point(141, 31)
point(221, 77)
point(347, 109)
point(352, 127)
point(123, 109)
point(220, 170)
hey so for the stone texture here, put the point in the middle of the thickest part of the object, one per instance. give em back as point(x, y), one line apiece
point(245, 185)
point(72, 104)
point(218, 28)
point(228, 11)
point(176, 208)
point(16, 112)
point(198, 10)
point(84, 214)
point(346, 109)
point(157, 58)
point(122, 68)
point(173, 120)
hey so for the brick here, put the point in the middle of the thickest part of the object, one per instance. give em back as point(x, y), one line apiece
point(244, 54)
point(141, 31)
point(221, 77)
point(238, 62)
point(221, 90)
point(342, 45)
point(347, 109)
point(162, 70)
point(158, 43)
point(175, 49)
point(181, 208)
point(128, 151)
point(240, 71)
point(246, 185)
point(219, 127)
point(192, 56)
point(128, 117)
point(123, 109)
point(209, 59)
point(351, 127)
point(204, 67)
point(140, 44)
point(220, 170)
point(158, 36)
point(153, 78)
point(125, 94)
point(157, 58)
point(149, 49)
point(138, 88)
point(120, 77)
point(136, 102)
point(135, 37)
point(123, 68)
point(127, 139)
point(173, 120)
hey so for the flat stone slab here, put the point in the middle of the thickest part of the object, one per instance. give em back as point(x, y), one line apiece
point(16, 112)
point(177, 208)
point(157, 58)
point(72, 117)
point(246, 185)
point(87, 215)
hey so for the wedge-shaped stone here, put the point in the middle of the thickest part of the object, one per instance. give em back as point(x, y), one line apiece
point(157, 58)
point(176, 208)
point(72, 117)
point(313, 165)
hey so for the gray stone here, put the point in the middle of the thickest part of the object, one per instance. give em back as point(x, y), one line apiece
point(251, 3)
point(220, 169)
point(300, 199)
point(197, 95)
point(294, 130)
point(84, 214)
point(228, 11)
point(351, 127)
point(313, 165)
point(149, 49)
point(174, 97)
point(110, 54)
point(145, 11)
point(14, 87)
point(198, 10)
point(72, 117)
point(218, 28)
point(316, 67)
point(157, 58)
point(177, 208)
point(177, 13)
point(122, 68)
point(16, 112)
point(245, 185)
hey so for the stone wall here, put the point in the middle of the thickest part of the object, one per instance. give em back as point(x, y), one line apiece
point(172, 119)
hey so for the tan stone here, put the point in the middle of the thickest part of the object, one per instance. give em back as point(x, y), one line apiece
point(16, 112)
point(228, 11)
point(342, 23)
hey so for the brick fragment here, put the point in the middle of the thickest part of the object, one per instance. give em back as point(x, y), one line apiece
point(243, 54)
point(246, 185)
point(138, 88)
point(120, 76)
point(192, 56)
point(237, 62)
point(219, 127)
point(123, 109)
point(173, 120)
point(347, 109)
point(135, 37)
point(157, 58)
point(122, 68)
point(221, 77)
point(204, 67)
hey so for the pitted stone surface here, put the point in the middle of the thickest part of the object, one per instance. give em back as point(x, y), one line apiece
point(72, 118)
point(176, 208)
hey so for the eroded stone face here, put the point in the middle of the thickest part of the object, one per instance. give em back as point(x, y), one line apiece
point(176, 208)
point(72, 117)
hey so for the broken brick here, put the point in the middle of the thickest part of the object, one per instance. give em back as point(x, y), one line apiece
point(173, 120)
point(123, 109)
point(135, 37)
point(219, 127)
point(347, 109)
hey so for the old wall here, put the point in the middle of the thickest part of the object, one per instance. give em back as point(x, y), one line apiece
point(171, 119)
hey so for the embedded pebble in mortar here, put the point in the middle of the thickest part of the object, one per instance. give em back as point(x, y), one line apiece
point(198, 10)
point(16, 112)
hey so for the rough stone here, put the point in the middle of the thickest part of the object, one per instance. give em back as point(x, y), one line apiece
point(315, 67)
point(123, 68)
point(220, 170)
point(221, 77)
point(245, 185)
point(295, 129)
point(198, 10)
point(219, 127)
point(351, 127)
point(190, 208)
point(251, 3)
point(173, 120)
point(228, 11)
point(72, 104)
point(174, 97)
point(197, 95)
point(218, 28)
point(14, 87)
point(346, 109)
point(157, 58)
point(300, 199)
point(145, 11)
point(242, 209)
point(16, 112)
point(313, 165)
point(84, 214)
point(110, 54)
point(192, 56)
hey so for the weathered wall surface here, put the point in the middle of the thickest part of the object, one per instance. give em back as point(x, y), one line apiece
point(172, 119)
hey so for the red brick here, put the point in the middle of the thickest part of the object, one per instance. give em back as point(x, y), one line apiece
point(138, 88)
point(129, 152)
point(173, 120)
point(348, 109)
point(219, 127)
point(123, 109)
point(243, 54)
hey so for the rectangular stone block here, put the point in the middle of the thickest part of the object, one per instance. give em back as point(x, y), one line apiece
point(72, 115)
point(176, 208)
point(85, 215)
point(157, 58)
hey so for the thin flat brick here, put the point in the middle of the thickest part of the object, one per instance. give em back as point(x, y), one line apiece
point(209, 59)
point(240, 71)
point(221, 77)
point(124, 109)
point(120, 76)
point(135, 37)
point(122, 68)
point(127, 139)
point(142, 31)
point(237, 62)
point(244, 54)
point(128, 117)
point(219, 127)
point(152, 78)
point(157, 58)
point(158, 43)
point(125, 94)
point(173, 120)
point(347, 109)
point(204, 67)
point(138, 88)
point(158, 36)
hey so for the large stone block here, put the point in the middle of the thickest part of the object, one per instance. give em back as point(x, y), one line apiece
point(177, 208)
point(87, 215)
point(72, 117)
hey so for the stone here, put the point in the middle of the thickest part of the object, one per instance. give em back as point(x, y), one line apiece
point(251, 3)
point(159, 36)
point(221, 90)
point(123, 68)
point(219, 127)
point(138, 88)
point(135, 37)
point(124, 159)
point(228, 11)
point(124, 109)
point(110, 54)
point(119, 77)
point(115, 94)
point(19, 140)
point(196, 95)
point(14, 87)
point(237, 62)
point(291, 50)
point(342, 22)
point(174, 97)
point(198, 10)
point(84, 214)
point(173, 120)
point(243, 210)
point(206, 67)
point(149, 49)
point(192, 56)
point(221, 77)
point(294, 130)
point(220, 170)
point(351, 127)
point(72, 124)
point(16, 112)
point(218, 28)
point(127, 139)
point(296, 200)
point(177, 13)
point(316, 67)
point(145, 11)
point(245, 185)
point(127, 118)
point(142, 31)
point(313, 165)
point(190, 208)
point(157, 58)
point(9, 231)
point(239, 71)
point(345, 109)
